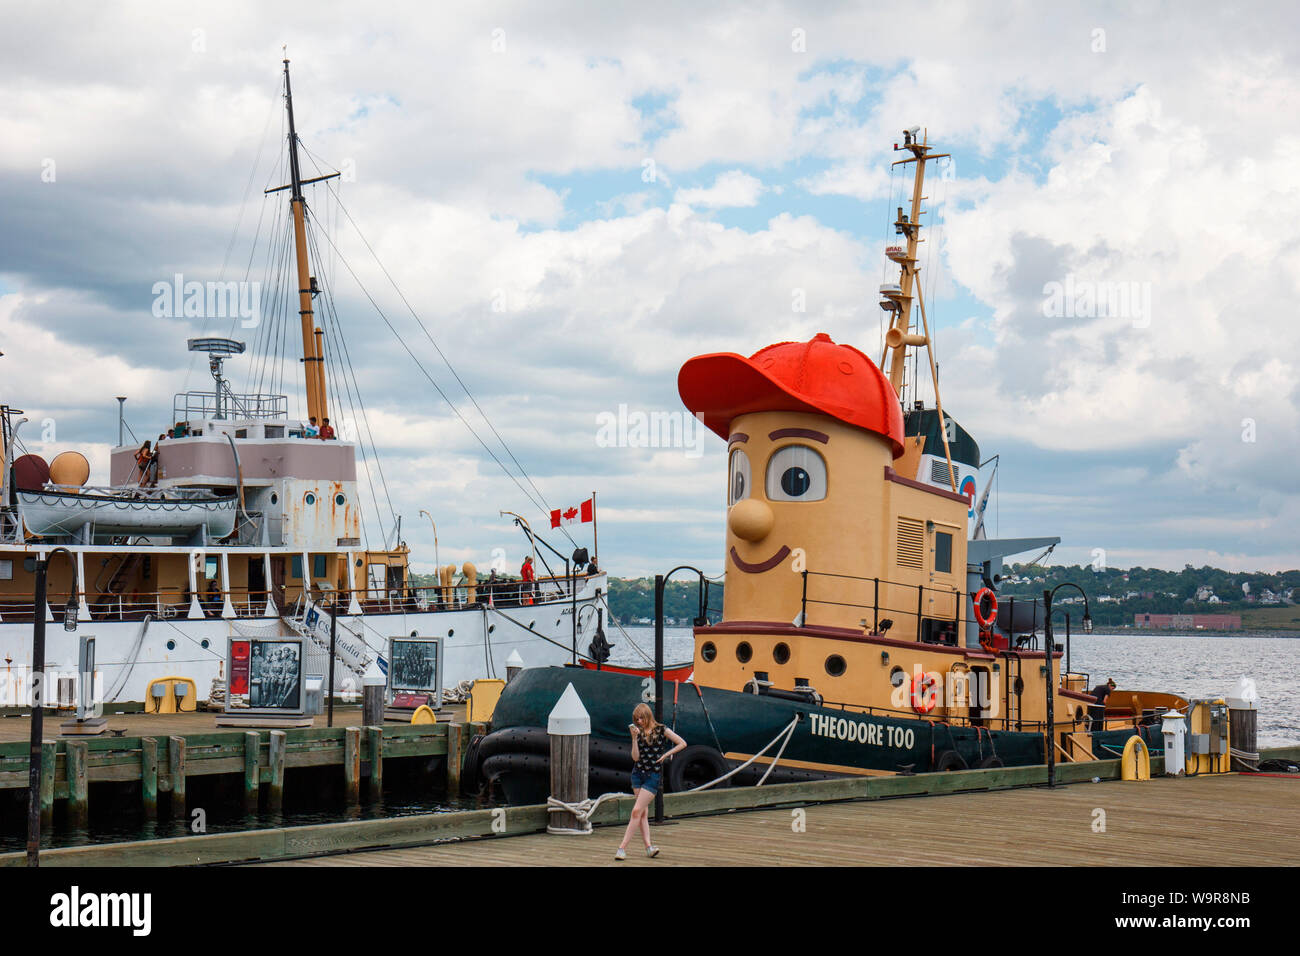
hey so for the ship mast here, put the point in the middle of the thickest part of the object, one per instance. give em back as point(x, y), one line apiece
point(313, 337)
point(898, 302)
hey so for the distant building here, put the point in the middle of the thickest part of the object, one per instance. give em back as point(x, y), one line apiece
point(1189, 622)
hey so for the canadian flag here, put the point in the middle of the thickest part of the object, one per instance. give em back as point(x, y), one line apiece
point(583, 513)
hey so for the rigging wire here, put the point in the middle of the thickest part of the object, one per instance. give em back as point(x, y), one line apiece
point(544, 507)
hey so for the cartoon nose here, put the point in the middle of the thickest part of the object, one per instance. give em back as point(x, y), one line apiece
point(751, 519)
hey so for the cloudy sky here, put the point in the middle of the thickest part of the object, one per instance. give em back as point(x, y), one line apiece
point(575, 198)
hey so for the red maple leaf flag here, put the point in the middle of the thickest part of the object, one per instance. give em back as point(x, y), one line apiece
point(583, 513)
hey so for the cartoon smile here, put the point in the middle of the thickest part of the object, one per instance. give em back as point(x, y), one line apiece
point(762, 566)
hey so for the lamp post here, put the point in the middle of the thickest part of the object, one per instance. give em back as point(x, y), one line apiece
point(1050, 649)
point(37, 681)
point(661, 581)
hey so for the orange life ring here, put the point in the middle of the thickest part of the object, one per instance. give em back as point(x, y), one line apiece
point(986, 619)
point(925, 687)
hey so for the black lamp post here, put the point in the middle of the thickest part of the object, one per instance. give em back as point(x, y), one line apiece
point(661, 580)
point(38, 693)
point(1051, 688)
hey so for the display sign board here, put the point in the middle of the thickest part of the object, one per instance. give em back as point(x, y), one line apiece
point(265, 676)
point(415, 668)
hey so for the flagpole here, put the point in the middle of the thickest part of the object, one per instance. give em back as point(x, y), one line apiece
point(595, 537)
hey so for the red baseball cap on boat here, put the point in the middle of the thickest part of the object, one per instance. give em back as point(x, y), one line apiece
point(816, 376)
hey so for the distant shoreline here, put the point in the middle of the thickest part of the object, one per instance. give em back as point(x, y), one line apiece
point(1186, 632)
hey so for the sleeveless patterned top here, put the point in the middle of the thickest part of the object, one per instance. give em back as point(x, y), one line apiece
point(650, 750)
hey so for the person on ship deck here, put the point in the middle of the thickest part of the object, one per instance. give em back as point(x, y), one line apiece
point(1098, 710)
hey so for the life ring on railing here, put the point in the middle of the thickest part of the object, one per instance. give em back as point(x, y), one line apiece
point(983, 597)
point(925, 692)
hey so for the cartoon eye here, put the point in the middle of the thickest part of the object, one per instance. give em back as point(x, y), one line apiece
point(738, 477)
point(796, 473)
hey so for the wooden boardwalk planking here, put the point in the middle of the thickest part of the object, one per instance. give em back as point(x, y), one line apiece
point(1229, 820)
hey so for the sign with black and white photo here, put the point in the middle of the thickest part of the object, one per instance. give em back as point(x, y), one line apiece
point(414, 664)
point(265, 675)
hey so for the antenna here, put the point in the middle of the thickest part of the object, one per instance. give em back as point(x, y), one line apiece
point(218, 351)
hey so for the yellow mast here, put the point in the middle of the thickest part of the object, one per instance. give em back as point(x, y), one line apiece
point(899, 303)
point(313, 345)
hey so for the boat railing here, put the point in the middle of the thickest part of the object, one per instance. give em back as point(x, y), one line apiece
point(924, 607)
point(190, 406)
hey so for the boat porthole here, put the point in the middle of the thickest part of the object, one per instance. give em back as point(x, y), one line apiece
point(744, 652)
point(204, 643)
point(708, 652)
point(1019, 685)
point(781, 653)
point(835, 665)
point(451, 632)
point(897, 676)
point(274, 498)
point(340, 500)
point(309, 498)
point(491, 628)
point(171, 645)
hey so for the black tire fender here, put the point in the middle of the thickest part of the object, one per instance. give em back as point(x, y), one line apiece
point(949, 760)
point(992, 760)
point(696, 764)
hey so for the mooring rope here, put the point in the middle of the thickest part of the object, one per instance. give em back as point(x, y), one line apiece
point(585, 809)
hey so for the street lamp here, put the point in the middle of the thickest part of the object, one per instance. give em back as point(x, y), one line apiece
point(1050, 649)
point(38, 692)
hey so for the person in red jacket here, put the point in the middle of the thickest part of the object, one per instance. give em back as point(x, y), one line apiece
point(527, 576)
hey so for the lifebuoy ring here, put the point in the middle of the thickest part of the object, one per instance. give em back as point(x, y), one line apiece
point(982, 597)
point(925, 692)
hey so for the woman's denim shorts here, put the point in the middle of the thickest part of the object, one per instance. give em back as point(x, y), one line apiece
point(646, 781)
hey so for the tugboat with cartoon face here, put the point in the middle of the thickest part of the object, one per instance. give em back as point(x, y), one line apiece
point(860, 625)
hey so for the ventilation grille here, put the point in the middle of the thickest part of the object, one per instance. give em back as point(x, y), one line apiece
point(939, 472)
point(911, 543)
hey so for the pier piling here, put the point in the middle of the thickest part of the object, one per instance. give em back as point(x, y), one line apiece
point(455, 757)
point(149, 776)
point(352, 765)
point(78, 790)
point(176, 764)
point(569, 728)
point(49, 754)
point(375, 744)
point(276, 760)
point(252, 773)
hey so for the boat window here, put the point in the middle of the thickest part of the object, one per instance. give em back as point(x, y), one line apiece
point(310, 498)
point(897, 676)
point(6, 570)
point(744, 652)
point(340, 500)
point(942, 552)
point(796, 473)
point(738, 480)
point(781, 653)
point(835, 665)
point(708, 652)
point(210, 569)
point(318, 566)
point(296, 570)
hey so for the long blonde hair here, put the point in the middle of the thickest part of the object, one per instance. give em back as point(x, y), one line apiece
point(651, 729)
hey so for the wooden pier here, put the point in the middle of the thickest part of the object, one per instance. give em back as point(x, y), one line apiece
point(1226, 820)
point(160, 752)
point(994, 816)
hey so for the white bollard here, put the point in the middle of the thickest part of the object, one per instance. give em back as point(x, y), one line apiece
point(1174, 728)
point(569, 727)
point(514, 664)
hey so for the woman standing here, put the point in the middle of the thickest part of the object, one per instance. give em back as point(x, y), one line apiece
point(650, 749)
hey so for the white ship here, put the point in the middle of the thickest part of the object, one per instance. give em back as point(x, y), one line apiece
point(245, 525)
